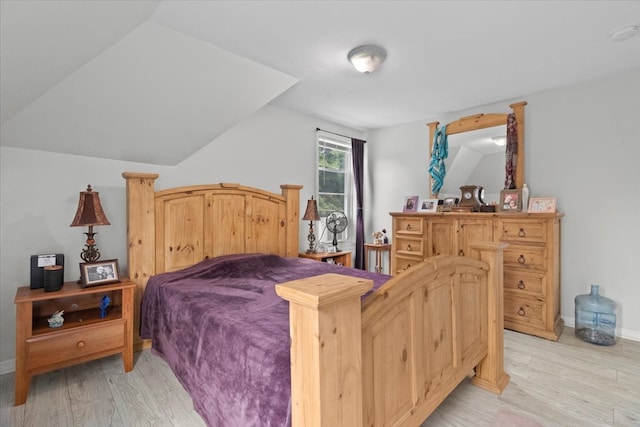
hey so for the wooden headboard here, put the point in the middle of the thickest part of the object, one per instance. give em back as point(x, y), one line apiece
point(175, 228)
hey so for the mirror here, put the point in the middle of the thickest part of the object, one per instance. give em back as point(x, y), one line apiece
point(479, 128)
point(476, 157)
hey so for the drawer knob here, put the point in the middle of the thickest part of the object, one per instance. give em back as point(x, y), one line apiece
point(409, 247)
point(521, 233)
point(521, 312)
point(408, 227)
point(520, 284)
point(521, 259)
point(80, 344)
point(408, 266)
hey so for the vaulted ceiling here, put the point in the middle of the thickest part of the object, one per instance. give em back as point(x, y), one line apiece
point(154, 81)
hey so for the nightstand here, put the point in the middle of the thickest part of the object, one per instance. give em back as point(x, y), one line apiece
point(340, 258)
point(84, 335)
point(379, 249)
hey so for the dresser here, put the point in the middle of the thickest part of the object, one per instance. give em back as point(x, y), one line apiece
point(531, 262)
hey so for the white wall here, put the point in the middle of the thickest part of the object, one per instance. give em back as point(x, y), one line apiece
point(39, 194)
point(583, 147)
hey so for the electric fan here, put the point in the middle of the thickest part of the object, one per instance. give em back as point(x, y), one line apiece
point(336, 223)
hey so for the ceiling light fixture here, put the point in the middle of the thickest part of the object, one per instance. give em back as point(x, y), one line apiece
point(624, 33)
point(367, 58)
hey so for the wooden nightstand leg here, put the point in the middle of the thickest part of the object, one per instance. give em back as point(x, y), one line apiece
point(22, 388)
point(127, 314)
point(23, 332)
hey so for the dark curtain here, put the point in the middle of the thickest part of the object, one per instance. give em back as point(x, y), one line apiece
point(357, 153)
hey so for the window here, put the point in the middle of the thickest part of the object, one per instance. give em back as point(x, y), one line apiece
point(335, 183)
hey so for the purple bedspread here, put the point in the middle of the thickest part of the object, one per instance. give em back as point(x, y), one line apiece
point(225, 333)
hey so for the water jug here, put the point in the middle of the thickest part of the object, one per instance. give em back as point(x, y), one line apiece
point(595, 318)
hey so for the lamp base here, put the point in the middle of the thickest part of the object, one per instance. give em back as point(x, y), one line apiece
point(311, 237)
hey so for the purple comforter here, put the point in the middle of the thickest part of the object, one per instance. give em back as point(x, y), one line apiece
point(225, 333)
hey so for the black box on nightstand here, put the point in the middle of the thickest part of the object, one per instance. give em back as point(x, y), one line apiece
point(38, 263)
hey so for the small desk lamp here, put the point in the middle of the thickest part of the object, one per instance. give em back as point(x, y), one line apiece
point(89, 213)
point(311, 214)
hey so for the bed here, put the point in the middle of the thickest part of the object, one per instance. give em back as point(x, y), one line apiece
point(363, 349)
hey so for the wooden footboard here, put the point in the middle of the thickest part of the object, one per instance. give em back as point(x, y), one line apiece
point(393, 359)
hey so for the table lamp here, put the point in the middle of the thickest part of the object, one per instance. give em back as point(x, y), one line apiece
point(311, 214)
point(89, 213)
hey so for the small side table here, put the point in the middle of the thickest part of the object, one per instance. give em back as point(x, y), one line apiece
point(84, 335)
point(379, 249)
point(340, 258)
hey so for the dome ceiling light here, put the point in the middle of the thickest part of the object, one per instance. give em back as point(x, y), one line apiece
point(624, 33)
point(367, 58)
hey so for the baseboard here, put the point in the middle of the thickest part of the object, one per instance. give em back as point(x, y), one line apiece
point(627, 334)
point(7, 366)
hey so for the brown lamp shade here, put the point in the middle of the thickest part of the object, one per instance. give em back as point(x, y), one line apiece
point(311, 214)
point(89, 210)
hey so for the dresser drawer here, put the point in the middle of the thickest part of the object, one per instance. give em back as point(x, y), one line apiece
point(524, 311)
point(527, 257)
point(52, 348)
point(403, 263)
point(409, 246)
point(409, 225)
point(522, 282)
point(525, 231)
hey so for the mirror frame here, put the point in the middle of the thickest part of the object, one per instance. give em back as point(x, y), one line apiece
point(482, 121)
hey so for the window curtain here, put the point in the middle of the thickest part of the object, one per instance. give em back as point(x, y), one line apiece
point(357, 154)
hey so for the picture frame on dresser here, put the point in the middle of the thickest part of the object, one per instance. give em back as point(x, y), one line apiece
point(428, 205)
point(542, 205)
point(99, 273)
point(510, 200)
point(410, 204)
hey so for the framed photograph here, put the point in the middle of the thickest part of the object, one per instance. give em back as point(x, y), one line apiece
point(511, 200)
point(542, 205)
point(99, 273)
point(410, 204)
point(428, 205)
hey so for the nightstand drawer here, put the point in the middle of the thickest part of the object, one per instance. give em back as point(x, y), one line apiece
point(49, 349)
point(528, 257)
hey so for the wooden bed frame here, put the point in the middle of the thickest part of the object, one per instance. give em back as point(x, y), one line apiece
point(389, 361)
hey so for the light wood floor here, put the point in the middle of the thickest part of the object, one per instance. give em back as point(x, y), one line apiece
point(564, 383)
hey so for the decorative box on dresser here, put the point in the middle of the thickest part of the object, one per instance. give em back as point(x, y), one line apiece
point(531, 262)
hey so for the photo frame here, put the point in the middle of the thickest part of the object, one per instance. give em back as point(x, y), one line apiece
point(410, 204)
point(542, 205)
point(449, 203)
point(428, 205)
point(511, 200)
point(99, 273)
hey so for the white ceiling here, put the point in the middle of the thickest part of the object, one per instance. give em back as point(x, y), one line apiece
point(154, 81)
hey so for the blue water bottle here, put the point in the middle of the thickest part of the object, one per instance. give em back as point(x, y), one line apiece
point(595, 318)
